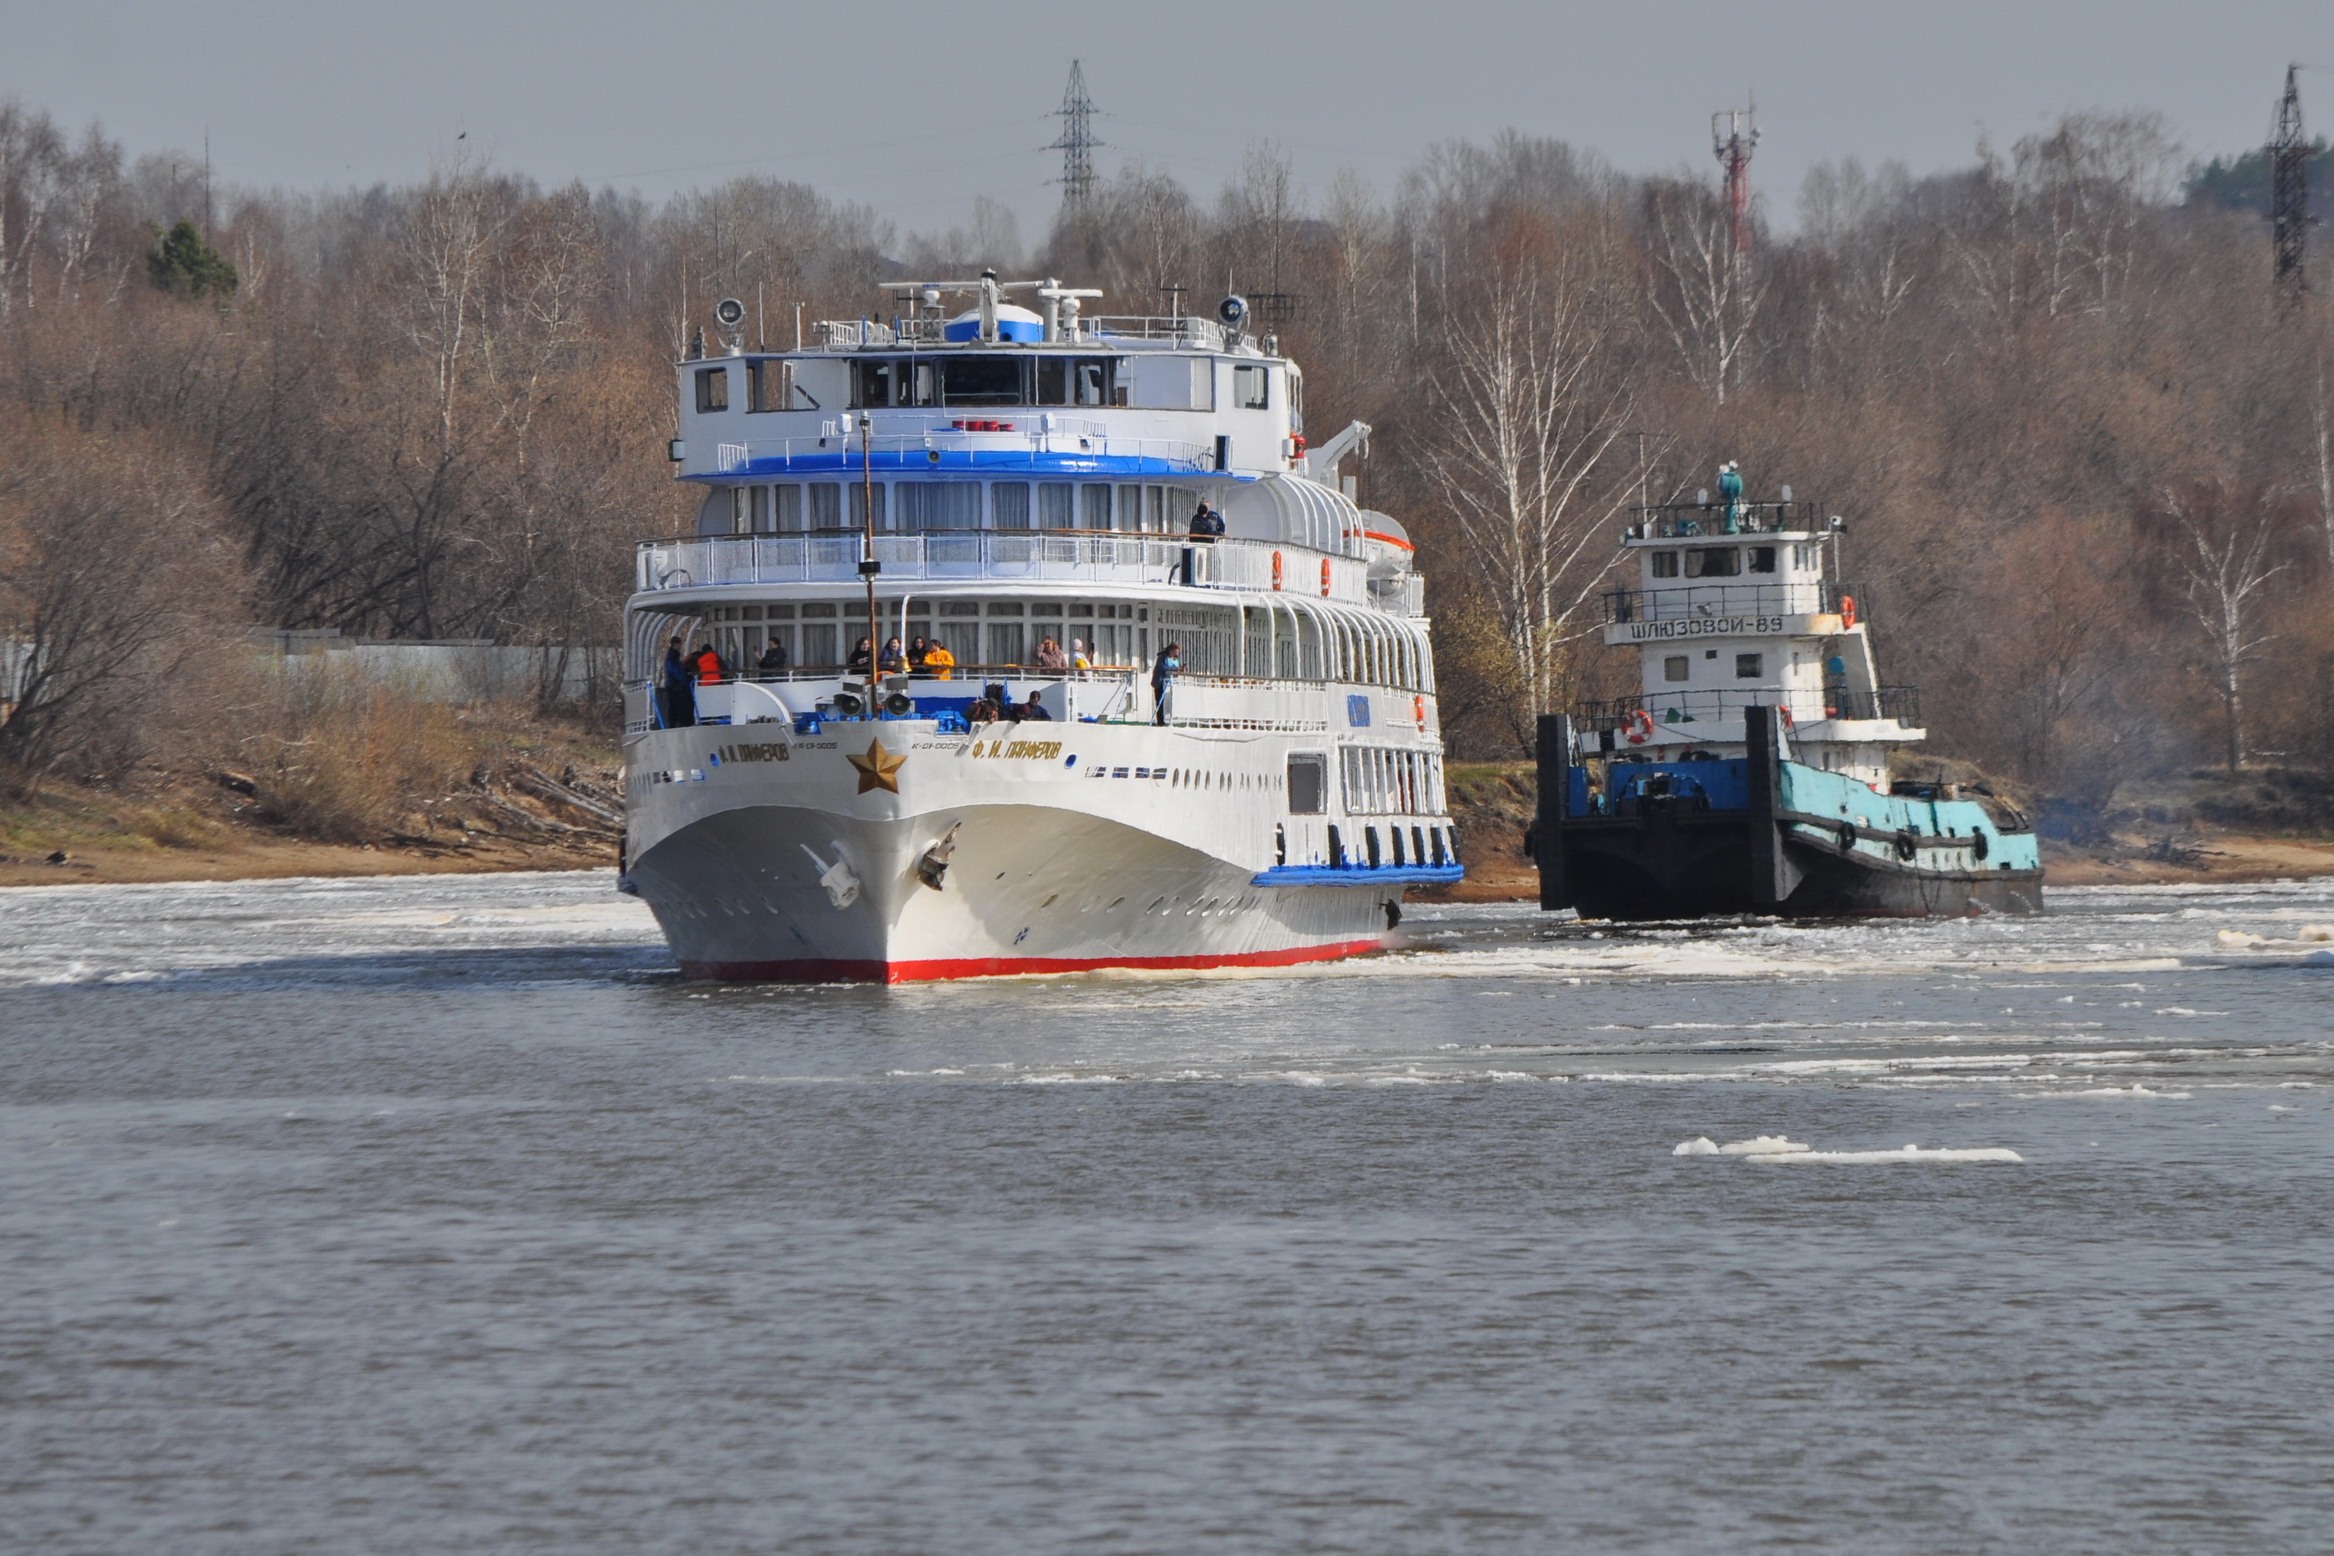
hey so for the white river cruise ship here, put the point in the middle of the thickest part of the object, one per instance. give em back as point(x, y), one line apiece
point(1018, 487)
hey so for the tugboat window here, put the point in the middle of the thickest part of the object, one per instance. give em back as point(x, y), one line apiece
point(1251, 388)
point(1677, 667)
point(1749, 667)
point(713, 389)
point(981, 380)
point(1718, 562)
point(1762, 559)
point(1665, 564)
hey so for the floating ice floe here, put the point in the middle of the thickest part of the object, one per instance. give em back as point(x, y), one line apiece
point(1779, 1148)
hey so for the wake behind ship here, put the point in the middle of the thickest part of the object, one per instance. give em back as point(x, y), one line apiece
point(1056, 505)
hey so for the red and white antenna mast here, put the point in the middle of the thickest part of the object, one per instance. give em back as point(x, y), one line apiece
point(1732, 135)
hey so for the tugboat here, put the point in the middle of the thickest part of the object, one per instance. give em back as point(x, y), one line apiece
point(1751, 773)
point(1138, 683)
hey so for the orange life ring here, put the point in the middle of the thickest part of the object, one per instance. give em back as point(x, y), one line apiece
point(1638, 727)
point(1325, 578)
point(1418, 710)
point(1276, 569)
point(1847, 610)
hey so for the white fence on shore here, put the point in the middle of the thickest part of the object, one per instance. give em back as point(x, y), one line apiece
point(456, 672)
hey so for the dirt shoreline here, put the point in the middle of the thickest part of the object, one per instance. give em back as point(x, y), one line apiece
point(1496, 874)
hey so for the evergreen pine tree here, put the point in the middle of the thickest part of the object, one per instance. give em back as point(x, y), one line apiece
point(183, 265)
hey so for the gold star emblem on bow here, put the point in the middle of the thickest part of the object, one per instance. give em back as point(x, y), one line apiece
point(878, 769)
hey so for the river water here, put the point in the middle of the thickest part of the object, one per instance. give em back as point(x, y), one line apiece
point(438, 1214)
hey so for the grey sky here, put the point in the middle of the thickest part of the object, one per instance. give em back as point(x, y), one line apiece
point(916, 108)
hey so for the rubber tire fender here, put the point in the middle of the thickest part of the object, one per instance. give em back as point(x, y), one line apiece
point(1847, 837)
point(1979, 847)
point(1906, 848)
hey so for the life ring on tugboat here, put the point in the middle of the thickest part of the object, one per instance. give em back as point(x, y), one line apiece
point(1906, 848)
point(1276, 569)
point(1847, 610)
point(1325, 578)
point(1638, 727)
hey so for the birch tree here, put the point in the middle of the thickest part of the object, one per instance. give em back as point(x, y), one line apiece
point(1529, 399)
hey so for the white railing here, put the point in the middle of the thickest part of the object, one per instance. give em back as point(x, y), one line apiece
point(1066, 555)
point(1014, 430)
point(1204, 333)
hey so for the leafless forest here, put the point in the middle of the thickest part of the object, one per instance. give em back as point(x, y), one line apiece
point(2085, 452)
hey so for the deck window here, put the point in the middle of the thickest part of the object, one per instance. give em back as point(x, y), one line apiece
point(1306, 773)
point(861, 492)
point(1130, 508)
point(826, 505)
point(980, 380)
point(1665, 564)
point(1054, 505)
point(937, 504)
point(1009, 505)
point(1251, 387)
point(1716, 562)
point(1004, 642)
point(1749, 667)
point(786, 508)
point(1677, 667)
point(1094, 507)
point(713, 389)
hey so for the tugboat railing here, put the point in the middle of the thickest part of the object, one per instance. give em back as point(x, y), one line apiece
point(1680, 711)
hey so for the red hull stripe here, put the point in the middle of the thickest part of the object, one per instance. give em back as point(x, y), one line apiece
point(842, 970)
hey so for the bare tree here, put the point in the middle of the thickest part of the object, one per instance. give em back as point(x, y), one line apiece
point(2225, 552)
point(1706, 293)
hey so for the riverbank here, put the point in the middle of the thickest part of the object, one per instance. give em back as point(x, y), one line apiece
point(519, 816)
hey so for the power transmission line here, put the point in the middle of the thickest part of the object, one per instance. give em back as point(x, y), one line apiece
point(1077, 143)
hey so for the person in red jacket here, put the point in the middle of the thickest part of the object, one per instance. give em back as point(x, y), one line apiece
point(708, 665)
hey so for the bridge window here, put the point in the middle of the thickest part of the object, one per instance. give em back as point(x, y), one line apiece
point(1665, 564)
point(1093, 382)
point(1251, 387)
point(1677, 667)
point(871, 382)
point(1009, 505)
point(1749, 667)
point(770, 385)
point(713, 389)
point(1762, 559)
point(1717, 562)
point(1053, 381)
point(982, 380)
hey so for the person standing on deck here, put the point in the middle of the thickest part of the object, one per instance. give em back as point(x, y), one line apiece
point(1163, 673)
point(708, 664)
point(939, 663)
point(773, 658)
point(680, 696)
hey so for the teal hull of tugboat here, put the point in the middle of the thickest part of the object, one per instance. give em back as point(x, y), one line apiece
point(1762, 834)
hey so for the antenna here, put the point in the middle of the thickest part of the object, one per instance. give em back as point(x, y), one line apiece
point(1732, 135)
point(1077, 143)
point(2289, 191)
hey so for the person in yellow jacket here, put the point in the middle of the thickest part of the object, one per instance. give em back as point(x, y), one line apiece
point(939, 663)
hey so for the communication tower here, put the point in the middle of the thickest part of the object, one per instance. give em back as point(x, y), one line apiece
point(2289, 190)
point(1077, 142)
point(1732, 135)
